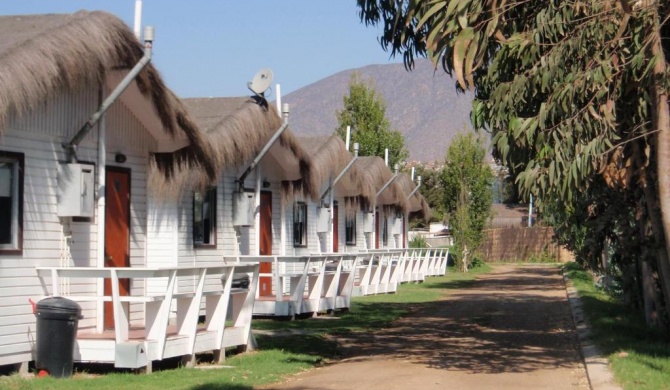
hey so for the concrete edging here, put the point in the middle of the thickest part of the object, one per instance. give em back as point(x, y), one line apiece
point(596, 365)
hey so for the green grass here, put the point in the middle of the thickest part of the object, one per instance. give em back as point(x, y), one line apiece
point(639, 356)
point(279, 356)
point(378, 311)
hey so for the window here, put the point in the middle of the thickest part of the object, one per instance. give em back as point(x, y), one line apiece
point(204, 218)
point(300, 224)
point(11, 202)
point(350, 229)
point(385, 231)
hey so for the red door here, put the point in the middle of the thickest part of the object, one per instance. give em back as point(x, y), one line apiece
point(117, 232)
point(336, 230)
point(265, 242)
point(377, 230)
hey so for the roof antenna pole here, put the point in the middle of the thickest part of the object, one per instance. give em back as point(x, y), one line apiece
point(278, 101)
point(137, 30)
point(348, 139)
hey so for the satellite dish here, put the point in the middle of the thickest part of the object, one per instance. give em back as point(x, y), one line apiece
point(261, 82)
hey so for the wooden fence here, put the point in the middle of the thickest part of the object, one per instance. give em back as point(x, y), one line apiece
point(519, 243)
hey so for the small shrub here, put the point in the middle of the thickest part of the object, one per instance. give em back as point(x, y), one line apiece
point(544, 257)
point(418, 241)
point(477, 261)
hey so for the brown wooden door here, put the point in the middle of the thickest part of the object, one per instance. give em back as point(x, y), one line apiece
point(265, 248)
point(336, 230)
point(117, 232)
point(376, 230)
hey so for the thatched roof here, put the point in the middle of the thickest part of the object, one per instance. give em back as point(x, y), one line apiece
point(329, 157)
point(417, 204)
point(377, 173)
point(43, 55)
point(238, 128)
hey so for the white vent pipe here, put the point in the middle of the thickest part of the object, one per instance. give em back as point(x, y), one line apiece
point(278, 101)
point(137, 27)
point(348, 139)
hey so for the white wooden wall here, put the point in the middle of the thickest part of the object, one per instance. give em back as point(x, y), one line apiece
point(39, 136)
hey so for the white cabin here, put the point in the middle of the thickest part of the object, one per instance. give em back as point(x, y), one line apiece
point(56, 202)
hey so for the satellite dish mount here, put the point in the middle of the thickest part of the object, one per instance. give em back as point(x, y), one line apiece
point(261, 82)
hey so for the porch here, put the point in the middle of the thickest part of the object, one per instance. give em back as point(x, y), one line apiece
point(302, 284)
point(384, 269)
point(227, 313)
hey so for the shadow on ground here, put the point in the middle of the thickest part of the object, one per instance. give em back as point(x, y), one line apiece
point(502, 322)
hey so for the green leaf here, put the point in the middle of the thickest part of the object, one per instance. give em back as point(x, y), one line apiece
point(440, 5)
point(463, 40)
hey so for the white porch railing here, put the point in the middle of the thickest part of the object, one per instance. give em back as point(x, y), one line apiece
point(303, 284)
point(387, 268)
point(227, 313)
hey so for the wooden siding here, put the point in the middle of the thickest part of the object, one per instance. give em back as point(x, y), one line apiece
point(46, 241)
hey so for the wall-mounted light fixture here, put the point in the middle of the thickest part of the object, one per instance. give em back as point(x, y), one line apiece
point(120, 158)
point(266, 184)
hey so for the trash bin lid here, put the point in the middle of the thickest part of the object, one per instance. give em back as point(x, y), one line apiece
point(58, 305)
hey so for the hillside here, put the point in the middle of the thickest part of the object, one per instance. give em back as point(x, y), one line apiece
point(422, 104)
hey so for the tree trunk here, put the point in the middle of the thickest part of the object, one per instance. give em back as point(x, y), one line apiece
point(661, 123)
point(648, 295)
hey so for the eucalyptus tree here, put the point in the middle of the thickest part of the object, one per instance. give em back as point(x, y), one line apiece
point(575, 94)
point(365, 111)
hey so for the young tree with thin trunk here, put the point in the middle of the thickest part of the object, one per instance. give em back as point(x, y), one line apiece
point(467, 181)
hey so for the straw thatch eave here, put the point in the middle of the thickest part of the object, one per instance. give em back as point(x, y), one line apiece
point(377, 174)
point(238, 128)
point(45, 55)
point(329, 157)
point(418, 207)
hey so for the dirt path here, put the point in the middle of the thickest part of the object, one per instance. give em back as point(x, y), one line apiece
point(511, 330)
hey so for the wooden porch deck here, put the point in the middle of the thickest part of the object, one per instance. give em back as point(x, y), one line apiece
point(227, 315)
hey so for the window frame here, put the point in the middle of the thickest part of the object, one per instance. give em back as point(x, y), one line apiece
point(16, 247)
point(210, 195)
point(303, 229)
point(350, 235)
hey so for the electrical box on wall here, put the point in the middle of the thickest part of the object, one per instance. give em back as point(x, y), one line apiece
point(243, 208)
point(368, 222)
point(323, 222)
point(76, 190)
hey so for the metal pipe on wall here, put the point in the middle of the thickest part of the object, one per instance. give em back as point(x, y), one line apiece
point(93, 120)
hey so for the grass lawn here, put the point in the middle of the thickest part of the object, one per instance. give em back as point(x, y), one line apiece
point(639, 356)
point(278, 356)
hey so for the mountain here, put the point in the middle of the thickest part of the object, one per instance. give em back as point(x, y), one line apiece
point(422, 104)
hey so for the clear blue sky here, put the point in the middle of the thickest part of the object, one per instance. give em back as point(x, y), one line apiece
point(213, 47)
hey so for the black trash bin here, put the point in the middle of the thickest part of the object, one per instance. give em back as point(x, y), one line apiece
point(57, 320)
